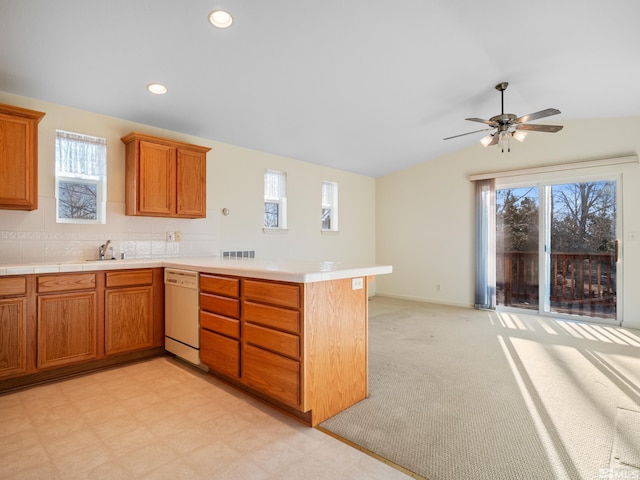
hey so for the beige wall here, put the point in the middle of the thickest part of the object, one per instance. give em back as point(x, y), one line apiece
point(234, 181)
point(425, 224)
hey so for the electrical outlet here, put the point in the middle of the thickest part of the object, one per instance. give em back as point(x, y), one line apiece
point(357, 283)
point(437, 287)
point(171, 236)
point(178, 235)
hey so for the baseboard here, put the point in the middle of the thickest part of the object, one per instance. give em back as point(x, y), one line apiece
point(425, 300)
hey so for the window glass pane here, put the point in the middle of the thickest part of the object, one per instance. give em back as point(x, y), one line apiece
point(271, 210)
point(77, 200)
point(326, 219)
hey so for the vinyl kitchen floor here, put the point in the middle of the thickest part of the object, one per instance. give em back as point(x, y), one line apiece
point(160, 419)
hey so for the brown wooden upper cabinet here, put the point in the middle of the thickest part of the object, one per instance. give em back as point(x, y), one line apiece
point(19, 158)
point(165, 178)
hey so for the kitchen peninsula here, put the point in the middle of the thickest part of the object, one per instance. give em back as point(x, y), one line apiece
point(292, 333)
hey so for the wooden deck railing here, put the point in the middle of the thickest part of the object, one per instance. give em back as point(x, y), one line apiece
point(579, 281)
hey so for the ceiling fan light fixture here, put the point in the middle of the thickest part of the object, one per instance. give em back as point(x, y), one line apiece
point(220, 18)
point(486, 141)
point(505, 140)
point(519, 135)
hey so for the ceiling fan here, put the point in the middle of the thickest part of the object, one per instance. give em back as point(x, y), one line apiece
point(507, 125)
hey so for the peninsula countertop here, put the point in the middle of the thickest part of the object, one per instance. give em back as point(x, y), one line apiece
point(289, 271)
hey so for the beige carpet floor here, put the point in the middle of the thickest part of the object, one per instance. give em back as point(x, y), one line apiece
point(457, 393)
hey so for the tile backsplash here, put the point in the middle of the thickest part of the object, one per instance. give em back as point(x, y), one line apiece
point(35, 237)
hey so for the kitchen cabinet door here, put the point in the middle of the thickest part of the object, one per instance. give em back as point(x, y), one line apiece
point(13, 336)
point(128, 319)
point(19, 158)
point(191, 180)
point(157, 179)
point(67, 328)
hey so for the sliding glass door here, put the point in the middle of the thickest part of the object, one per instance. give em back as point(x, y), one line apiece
point(517, 240)
point(556, 248)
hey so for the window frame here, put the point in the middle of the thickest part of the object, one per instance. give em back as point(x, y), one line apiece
point(97, 180)
point(331, 205)
point(279, 199)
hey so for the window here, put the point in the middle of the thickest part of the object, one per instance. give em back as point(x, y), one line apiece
point(330, 206)
point(81, 178)
point(275, 199)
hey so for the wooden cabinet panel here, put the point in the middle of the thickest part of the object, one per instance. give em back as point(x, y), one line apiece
point(229, 307)
point(280, 318)
point(221, 354)
point(13, 286)
point(191, 181)
point(229, 327)
point(13, 336)
point(129, 278)
point(156, 179)
point(128, 319)
point(272, 374)
point(66, 282)
point(225, 286)
point(285, 295)
point(273, 340)
point(19, 158)
point(66, 328)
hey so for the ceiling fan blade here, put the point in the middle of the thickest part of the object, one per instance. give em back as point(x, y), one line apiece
point(468, 133)
point(481, 120)
point(535, 116)
point(541, 128)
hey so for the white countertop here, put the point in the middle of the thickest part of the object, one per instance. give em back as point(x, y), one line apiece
point(299, 272)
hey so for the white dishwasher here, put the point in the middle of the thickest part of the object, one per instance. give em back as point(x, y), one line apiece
point(182, 314)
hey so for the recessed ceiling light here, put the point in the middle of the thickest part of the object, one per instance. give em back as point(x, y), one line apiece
point(220, 19)
point(157, 88)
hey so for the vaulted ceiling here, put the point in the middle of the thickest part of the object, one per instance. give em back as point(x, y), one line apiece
point(360, 85)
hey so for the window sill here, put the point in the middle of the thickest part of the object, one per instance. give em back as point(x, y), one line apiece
point(274, 230)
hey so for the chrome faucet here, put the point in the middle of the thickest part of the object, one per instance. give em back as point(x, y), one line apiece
point(103, 250)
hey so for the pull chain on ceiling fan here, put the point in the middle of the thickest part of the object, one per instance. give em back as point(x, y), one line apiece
point(507, 125)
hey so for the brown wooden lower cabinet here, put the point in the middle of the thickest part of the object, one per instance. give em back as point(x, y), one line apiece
point(128, 319)
point(303, 346)
point(67, 329)
point(13, 336)
point(274, 375)
point(220, 353)
point(53, 325)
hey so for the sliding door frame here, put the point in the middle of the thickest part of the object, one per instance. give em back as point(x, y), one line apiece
point(544, 184)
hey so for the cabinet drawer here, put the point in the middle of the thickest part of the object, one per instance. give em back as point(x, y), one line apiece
point(272, 374)
point(219, 324)
point(13, 286)
point(229, 307)
point(279, 342)
point(66, 282)
point(129, 278)
point(219, 353)
point(225, 286)
point(275, 317)
point(286, 295)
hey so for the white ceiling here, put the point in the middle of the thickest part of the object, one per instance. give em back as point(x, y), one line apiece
point(367, 86)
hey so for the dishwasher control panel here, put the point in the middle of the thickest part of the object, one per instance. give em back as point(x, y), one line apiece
point(182, 278)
